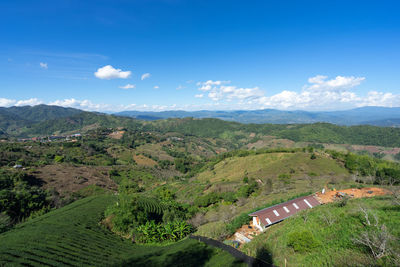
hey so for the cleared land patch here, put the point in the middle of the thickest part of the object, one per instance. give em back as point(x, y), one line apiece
point(66, 179)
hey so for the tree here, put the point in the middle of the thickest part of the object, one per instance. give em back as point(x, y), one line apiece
point(376, 236)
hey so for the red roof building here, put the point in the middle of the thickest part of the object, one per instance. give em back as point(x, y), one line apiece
point(271, 215)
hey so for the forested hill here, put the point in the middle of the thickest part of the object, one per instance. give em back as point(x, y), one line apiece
point(317, 132)
point(46, 120)
point(42, 112)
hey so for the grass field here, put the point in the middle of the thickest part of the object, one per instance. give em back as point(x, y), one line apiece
point(271, 165)
point(72, 235)
point(334, 245)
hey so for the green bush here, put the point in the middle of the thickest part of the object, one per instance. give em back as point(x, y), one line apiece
point(58, 159)
point(303, 241)
point(207, 200)
point(248, 189)
point(151, 232)
point(5, 222)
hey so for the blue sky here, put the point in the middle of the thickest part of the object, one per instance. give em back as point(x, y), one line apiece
point(307, 55)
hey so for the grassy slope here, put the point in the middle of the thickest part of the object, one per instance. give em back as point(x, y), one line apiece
point(229, 175)
point(73, 236)
point(336, 246)
point(271, 165)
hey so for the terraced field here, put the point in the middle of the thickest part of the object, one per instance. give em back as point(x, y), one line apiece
point(72, 236)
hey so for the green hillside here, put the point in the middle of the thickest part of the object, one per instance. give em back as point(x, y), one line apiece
point(324, 235)
point(72, 235)
point(42, 112)
point(271, 165)
point(47, 120)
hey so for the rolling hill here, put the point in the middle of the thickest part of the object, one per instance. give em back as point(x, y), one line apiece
point(20, 122)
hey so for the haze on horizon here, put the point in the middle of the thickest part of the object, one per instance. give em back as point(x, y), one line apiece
point(200, 55)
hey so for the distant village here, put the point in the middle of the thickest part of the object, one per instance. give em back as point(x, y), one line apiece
point(51, 138)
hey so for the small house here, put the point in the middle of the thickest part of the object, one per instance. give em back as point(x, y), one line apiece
point(274, 214)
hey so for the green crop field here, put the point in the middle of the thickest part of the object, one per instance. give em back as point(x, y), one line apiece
point(72, 235)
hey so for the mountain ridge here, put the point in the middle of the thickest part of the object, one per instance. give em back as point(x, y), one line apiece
point(358, 116)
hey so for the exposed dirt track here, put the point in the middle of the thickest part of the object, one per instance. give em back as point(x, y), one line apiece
point(331, 196)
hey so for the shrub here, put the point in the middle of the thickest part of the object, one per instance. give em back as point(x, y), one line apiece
point(229, 197)
point(5, 222)
point(343, 201)
point(58, 159)
point(151, 232)
point(207, 200)
point(303, 241)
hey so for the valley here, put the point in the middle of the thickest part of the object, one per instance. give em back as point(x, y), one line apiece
point(158, 182)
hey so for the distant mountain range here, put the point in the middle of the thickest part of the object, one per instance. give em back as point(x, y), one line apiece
point(379, 116)
point(43, 120)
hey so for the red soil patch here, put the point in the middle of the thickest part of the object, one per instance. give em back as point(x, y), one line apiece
point(331, 196)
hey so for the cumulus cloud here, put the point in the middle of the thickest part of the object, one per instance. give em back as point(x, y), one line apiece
point(43, 65)
point(180, 87)
point(218, 90)
point(208, 85)
point(320, 93)
point(28, 102)
point(4, 102)
point(109, 72)
point(80, 104)
point(145, 76)
point(128, 86)
point(156, 87)
point(340, 83)
point(199, 96)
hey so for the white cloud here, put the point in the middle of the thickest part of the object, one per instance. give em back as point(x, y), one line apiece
point(218, 90)
point(28, 102)
point(208, 85)
point(180, 87)
point(128, 86)
point(340, 83)
point(321, 93)
point(4, 102)
point(43, 65)
point(199, 96)
point(80, 104)
point(145, 76)
point(109, 72)
point(156, 87)
point(374, 98)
